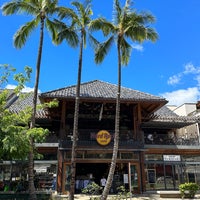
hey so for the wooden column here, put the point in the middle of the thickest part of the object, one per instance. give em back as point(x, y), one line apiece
point(59, 171)
point(62, 136)
point(142, 169)
point(140, 136)
point(139, 116)
point(134, 123)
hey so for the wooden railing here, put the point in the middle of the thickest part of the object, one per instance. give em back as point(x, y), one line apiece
point(87, 137)
point(164, 139)
point(92, 144)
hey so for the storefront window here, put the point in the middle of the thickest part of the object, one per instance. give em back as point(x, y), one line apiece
point(189, 158)
point(45, 172)
point(153, 157)
point(11, 173)
point(171, 172)
point(102, 155)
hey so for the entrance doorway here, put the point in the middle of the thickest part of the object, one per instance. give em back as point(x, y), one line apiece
point(90, 172)
point(126, 174)
point(93, 171)
point(87, 172)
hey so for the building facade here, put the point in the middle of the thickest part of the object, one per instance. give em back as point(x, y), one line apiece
point(152, 154)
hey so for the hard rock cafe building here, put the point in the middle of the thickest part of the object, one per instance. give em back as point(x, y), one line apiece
point(149, 158)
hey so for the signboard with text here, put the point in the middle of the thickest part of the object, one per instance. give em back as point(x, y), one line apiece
point(172, 158)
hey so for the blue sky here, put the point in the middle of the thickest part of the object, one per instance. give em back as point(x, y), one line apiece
point(169, 68)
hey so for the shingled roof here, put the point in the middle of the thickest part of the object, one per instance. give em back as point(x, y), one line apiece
point(16, 103)
point(166, 118)
point(99, 89)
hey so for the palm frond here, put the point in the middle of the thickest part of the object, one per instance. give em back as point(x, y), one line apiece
point(125, 51)
point(102, 50)
point(59, 25)
point(137, 33)
point(102, 24)
point(79, 8)
point(51, 27)
point(69, 35)
point(94, 43)
point(117, 12)
point(127, 8)
point(152, 34)
point(22, 34)
point(49, 6)
point(35, 3)
point(136, 27)
point(18, 7)
point(147, 18)
point(64, 12)
point(84, 12)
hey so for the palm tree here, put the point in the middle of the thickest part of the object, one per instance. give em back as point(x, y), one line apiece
point(80, 22)
point(127, 25)
point(42, 11)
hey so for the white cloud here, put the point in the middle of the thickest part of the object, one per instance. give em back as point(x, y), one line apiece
point(137, 47)
point(197, 78)
point(175, 79)
point(189, 68)
point(188, 95)
point(179, 97)
point(26, 89)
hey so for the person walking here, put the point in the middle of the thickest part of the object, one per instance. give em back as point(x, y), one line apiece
point(103, 182)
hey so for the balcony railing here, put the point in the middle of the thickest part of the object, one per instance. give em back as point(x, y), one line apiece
point(87, 139)
point(126, 145)
point(164, 139)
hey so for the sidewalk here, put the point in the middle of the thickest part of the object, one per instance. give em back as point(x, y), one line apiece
point(145, 196)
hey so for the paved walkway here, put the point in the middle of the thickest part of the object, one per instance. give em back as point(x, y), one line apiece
point(146, 196)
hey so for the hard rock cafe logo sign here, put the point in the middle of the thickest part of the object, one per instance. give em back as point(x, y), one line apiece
point(103, 137)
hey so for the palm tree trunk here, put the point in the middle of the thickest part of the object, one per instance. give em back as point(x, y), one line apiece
point(75, 128)
point(32, 194)
point(116, 137)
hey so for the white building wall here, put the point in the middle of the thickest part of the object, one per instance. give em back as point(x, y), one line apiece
point(185, 109)
point(191, 131)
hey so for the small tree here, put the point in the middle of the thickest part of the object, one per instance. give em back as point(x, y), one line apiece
point(15, 133)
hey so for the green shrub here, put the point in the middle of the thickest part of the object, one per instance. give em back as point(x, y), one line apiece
point(123, 193)
point(92, 189)
point(188, 189)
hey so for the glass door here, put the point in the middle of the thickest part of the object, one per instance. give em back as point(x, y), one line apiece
point(133, 178)
point(169, 178)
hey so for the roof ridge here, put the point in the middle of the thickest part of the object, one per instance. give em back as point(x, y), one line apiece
point(70, 86)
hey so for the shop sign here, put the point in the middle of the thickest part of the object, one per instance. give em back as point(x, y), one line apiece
point(171, 158)
point(103, 137)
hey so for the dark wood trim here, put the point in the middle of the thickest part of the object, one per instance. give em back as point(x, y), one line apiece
point(62, 120)
point(59, 171)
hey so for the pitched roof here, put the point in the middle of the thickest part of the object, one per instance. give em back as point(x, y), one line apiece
point(102, 90)
point(16, 103)
point(166, 118)
point(96, 89)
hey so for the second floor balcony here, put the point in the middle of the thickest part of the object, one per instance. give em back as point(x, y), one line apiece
point(87, 139)
point(165, 139)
